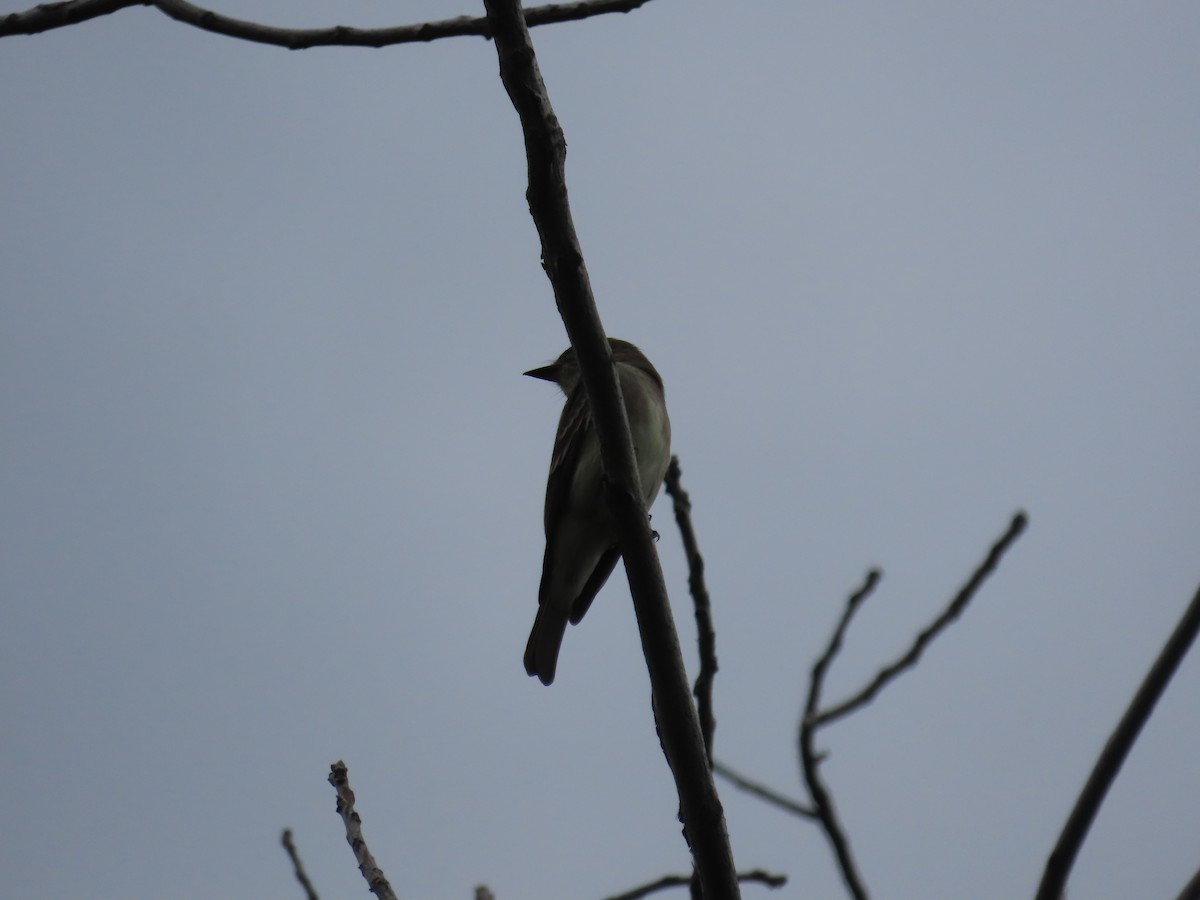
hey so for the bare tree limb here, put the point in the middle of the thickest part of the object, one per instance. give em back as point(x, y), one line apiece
point(706, 635)
point(810, 761)
point(562, 258)
point(57, 15)
point(1112, 757)
point(377, 882)
point(297, 866)
point(952, 612)
point(763, 792)
point(671, 881)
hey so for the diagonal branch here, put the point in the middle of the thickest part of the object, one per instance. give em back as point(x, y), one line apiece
point(1112, 757)
point(48, 16)
point(952, 612)
point(562, 258)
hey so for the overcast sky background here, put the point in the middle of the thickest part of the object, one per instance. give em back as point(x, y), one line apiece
point(272, 481)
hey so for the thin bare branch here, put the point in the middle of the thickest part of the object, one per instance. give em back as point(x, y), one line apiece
point(952, 612)
point(377, 882)
point(57, 15)
point(810, 761)
point(763, 792)
point(562, 258)
point(1112, 757)
point(310, 892)
point(706, 635)
point(671, 881)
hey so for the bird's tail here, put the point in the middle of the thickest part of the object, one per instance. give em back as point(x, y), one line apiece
point(545, 640)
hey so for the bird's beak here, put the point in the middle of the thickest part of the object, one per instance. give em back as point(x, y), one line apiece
point(546, 373)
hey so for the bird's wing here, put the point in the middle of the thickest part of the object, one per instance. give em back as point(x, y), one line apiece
point(573, 428)
point(596, 581)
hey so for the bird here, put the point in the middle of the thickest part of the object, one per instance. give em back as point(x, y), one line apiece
point(581, 535)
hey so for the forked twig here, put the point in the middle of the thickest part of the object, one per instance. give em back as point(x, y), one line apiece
point(908, 660)
point(815, 718)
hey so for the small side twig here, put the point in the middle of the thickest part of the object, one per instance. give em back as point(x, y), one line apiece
point(1112, 757)
point(670, 881)
point(297, 866)
point(810, 761)
point(706, 635)
point(377, 882)
point(763, 792)
point(952, 612)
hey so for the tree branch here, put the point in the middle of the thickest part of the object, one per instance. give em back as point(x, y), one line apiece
point(310, 892)
point(377, 882)
point(706, 635)
point(48, 16)
point(952, 612)
point(562, 258)
point(670, 881)
point(1112, 757)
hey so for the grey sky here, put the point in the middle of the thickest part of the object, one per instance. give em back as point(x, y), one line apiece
point(271, 480)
